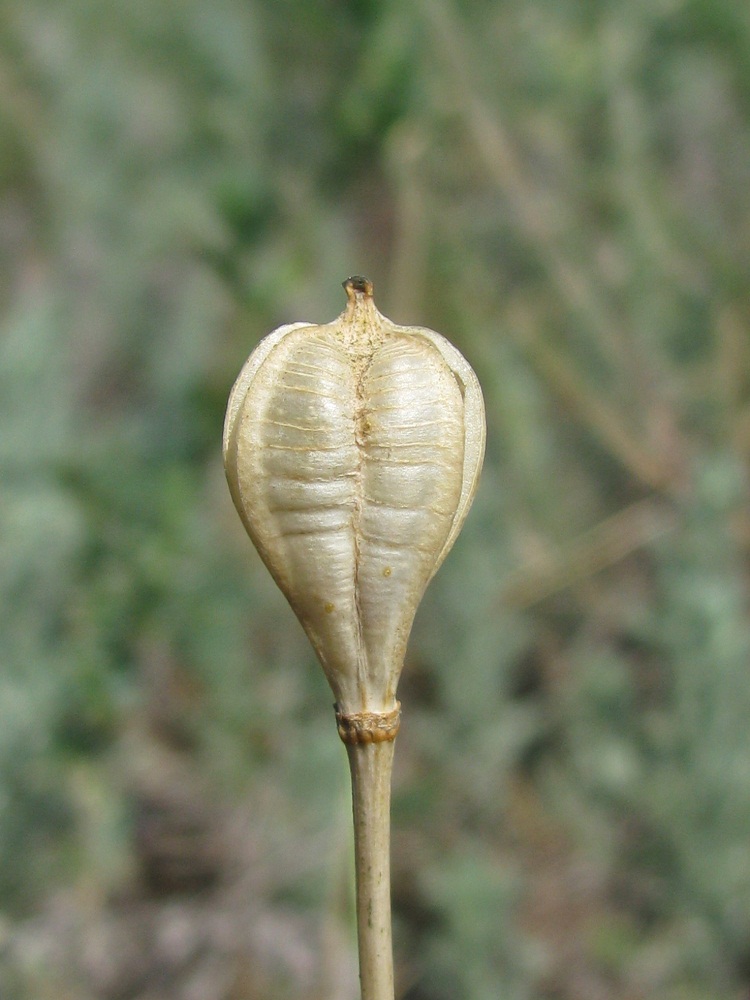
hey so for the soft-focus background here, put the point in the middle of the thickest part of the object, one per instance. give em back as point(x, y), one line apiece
point(562, 187)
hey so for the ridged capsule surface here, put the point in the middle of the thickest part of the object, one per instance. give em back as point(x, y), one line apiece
point(352, 452)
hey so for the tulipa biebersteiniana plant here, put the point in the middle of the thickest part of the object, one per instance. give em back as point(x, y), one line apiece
point(352, 452)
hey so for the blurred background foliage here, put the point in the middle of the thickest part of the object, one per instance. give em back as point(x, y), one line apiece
point(562, 189)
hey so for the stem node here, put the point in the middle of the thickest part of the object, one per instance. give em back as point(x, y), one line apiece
point(368, 727)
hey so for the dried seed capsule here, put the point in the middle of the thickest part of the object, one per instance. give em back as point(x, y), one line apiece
point(352, 452)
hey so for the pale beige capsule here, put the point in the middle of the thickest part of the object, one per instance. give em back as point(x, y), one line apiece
point(352, 452)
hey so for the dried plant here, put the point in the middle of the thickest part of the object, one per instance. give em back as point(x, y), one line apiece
point(352, 452)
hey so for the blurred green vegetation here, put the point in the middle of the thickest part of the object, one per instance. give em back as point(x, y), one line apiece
point(562, 189)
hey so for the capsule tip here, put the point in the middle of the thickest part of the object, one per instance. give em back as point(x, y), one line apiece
point(357, 285)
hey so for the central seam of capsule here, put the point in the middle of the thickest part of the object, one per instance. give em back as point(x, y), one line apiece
point(361, 430)
point(362, 335)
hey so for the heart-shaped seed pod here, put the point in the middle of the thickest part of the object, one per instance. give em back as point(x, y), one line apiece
point(352, 452)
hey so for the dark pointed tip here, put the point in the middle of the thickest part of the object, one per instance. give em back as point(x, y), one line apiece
point(358, 285)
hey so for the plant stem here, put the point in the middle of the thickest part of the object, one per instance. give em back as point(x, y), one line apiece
point(371, 765)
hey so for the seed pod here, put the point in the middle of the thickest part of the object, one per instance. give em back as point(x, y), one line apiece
point(352, 452)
